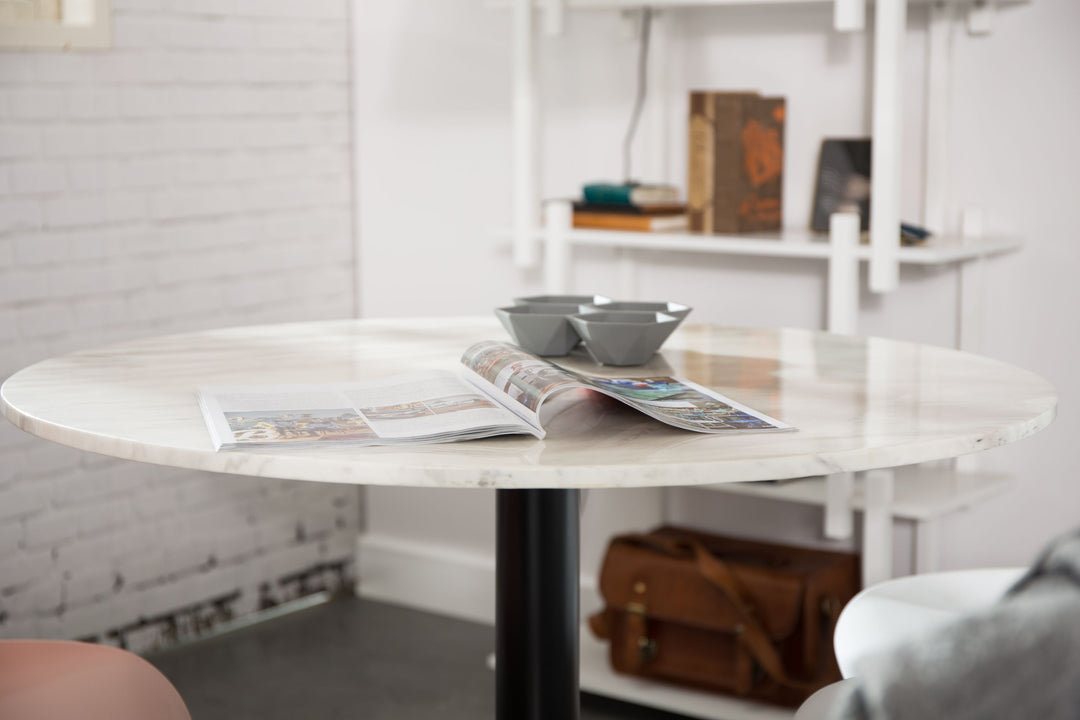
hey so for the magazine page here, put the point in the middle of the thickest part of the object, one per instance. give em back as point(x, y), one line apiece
point(685, 404)
point(519, 380)
point(527, 381)
point(427, 407)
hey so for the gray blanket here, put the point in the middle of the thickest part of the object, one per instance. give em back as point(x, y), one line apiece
point(1017, 660)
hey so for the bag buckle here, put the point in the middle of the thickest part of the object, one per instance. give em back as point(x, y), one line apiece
point(646, 646)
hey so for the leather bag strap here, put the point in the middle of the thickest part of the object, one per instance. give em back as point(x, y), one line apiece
point(719, 574)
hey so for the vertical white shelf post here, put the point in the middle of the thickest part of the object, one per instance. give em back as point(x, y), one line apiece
point(843, 309)
point(843, 313)
point(558, 221)
point(849, 15)
point(938, 90)
point(524, 151)
point(877, 546)
point(889, 25)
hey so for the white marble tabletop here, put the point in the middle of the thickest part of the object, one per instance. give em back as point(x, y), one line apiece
point(859, 403)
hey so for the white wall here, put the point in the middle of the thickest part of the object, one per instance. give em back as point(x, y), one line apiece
point(435, 175)
point(196, 175)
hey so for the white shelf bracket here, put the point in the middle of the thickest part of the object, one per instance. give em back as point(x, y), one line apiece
point(558, 221)
point(877, 546)
point(554, 17)
point(849, 15)
point(939, 58)
point(843, 300)
point(525, 198)
point(839, 510)
point(981, 15)
point(890, 19)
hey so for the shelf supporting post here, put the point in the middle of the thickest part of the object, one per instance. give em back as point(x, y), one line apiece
point(843, 300)
point(849, 15)
point(524, 133)
point(558, 221)
point(889, 24)
point(938, 90)
point(877, 527)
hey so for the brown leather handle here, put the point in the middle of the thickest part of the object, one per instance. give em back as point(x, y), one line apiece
point(720, 575)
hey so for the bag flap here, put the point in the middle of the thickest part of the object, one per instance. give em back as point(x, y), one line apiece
point(673, 588)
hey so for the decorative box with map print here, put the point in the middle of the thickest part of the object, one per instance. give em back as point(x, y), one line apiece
point(498, 391)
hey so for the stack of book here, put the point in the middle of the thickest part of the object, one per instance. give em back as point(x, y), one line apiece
point(630, 206)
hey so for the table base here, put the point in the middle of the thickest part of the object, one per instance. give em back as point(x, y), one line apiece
point(537, 605)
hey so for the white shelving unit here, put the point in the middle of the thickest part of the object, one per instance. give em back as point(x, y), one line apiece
point(926, 493)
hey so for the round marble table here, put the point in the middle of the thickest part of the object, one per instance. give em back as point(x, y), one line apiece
point(858, 403)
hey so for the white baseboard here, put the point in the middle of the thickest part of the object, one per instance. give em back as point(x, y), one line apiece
point(437, 579)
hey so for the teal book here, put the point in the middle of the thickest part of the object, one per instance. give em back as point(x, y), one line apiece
point(635, 194)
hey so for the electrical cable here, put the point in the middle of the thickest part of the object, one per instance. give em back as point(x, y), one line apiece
point(639, 102)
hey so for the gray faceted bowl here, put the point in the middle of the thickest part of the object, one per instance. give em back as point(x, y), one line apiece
point(623, 338)
point(563, 300)
point(677, 310)
point(541, 328)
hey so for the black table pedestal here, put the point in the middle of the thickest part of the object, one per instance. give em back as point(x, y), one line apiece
point(536, 607)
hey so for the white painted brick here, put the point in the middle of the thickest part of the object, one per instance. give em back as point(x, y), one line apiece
point(96, 244)
point(23, 567)
point(89, 583)
point(17, 68)
point(48, 529)
point(19, 628)
point(11, 532)
point(301, 36)
point(35, 104)
point(321, 9)
point(88, 620)
point(20, 214)
point(47, 319)
point(91, 103)
point(240, 542)
point(7, 334)
point(37, 178)
point(110, 174)
point(194, 552)
point(40, 597)
point(143, 570)
point(40, 248)
point(96, 312)
point(210, 584)
point(104, 516)
point(22, 499)
point(292, 558)
point(94, 209)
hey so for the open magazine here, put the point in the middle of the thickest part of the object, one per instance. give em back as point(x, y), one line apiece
point(500, 391)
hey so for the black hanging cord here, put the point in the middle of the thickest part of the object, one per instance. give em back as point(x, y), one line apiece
point(639, 102)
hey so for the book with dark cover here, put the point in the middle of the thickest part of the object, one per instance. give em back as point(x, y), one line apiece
point(735, 163)
point(843, 182)
point(606, 209)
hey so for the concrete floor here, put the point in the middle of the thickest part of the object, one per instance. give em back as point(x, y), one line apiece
point(352, 659)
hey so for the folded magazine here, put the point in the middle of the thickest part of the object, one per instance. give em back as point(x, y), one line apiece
point(499, 391)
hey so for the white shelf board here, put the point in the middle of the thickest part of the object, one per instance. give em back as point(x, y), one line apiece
point(789, 243)
point(598, 678)
point(631, 4)
point(920, 493)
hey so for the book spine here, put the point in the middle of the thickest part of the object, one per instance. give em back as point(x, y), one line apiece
point(728, 112)
point(700, 159)
point(604, 194)
point(760, 176)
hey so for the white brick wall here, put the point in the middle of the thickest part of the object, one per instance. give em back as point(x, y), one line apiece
point(196, 175)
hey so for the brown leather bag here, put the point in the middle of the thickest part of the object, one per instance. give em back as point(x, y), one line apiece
point(747, 618)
